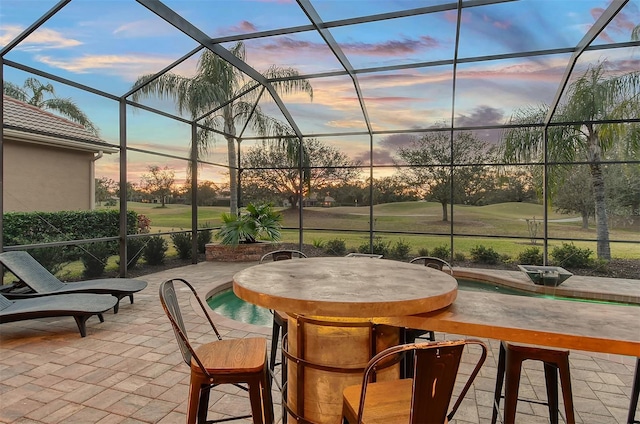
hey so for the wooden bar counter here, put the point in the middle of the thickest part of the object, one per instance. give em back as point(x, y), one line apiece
point(328, 298)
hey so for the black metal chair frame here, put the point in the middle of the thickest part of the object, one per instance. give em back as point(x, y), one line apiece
point(410, 334)
point(433, 262)
point(169, 302)
point(427, 357)
point(279, 321)
point(635, 391)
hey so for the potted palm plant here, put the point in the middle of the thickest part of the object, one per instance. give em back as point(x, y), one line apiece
point(247, 236)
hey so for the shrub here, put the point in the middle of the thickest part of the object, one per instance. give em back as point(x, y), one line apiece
point(53, 258)
point(135, 246)
point(459, 257)
point(484, 255)
point(259, 222)
point(379, 247)
point(336, 247)
point(204, 237)
point(319, 243)
point(571, 256)
point(38, 227)
point(423, 251)
point(441, 252)
point(155, 251)
point(531, 256)
point(400, 250)
point(182, 243)
point(94, 257)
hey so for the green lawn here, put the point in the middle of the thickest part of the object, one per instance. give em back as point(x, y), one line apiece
point(506, 219)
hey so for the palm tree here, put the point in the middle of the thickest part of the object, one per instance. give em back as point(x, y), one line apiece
point(33, 92)
point(217, 84)
point(591, 99)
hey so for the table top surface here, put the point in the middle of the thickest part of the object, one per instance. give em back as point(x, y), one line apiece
point(594, 327)
point(346, 287)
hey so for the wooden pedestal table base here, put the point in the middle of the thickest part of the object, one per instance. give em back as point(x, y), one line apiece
point(325, 355)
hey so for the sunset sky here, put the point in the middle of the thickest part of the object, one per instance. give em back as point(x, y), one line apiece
point(108, 44)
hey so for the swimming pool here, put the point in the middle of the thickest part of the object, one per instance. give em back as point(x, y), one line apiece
point(227, 304)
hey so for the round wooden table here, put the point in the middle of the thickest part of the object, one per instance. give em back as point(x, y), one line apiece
point(332, 303)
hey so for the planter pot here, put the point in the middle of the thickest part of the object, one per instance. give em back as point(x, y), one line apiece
point(240, 253)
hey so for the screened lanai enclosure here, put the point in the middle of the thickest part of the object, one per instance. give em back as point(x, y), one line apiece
point(452, 125)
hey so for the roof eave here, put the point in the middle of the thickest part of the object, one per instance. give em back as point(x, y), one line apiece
point(53, 141)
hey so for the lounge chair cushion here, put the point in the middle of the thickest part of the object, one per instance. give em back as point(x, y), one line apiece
point(43, 283)
point(79, 306)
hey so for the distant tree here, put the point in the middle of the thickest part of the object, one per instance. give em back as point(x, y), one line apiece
point(254, 191)
point(426, 166)
point(105, 189)
point(575, 194)
point(350, 193)
point(392, 189)
point(33, 92)
point(593, 101)
point(134, 192)
point(159, 182)
point(623, 189)
point(514, 184)
point(208, 193)
point(270, 166)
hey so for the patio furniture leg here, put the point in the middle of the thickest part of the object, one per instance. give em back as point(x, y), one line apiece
point(631, 419)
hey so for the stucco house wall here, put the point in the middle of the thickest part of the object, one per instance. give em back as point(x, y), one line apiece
point(47, 179)
point(48, 161)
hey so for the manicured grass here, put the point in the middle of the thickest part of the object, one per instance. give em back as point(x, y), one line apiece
point(505, 219)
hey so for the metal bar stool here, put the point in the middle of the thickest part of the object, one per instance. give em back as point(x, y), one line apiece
point(280, 321)
point(510, 363)
point(634, 395)
point(412, 334)
point(240, 362)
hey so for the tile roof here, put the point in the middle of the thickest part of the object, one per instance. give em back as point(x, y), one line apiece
point(28, 119)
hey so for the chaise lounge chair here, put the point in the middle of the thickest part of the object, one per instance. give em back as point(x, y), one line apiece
point(43, 283)
point(79, 306)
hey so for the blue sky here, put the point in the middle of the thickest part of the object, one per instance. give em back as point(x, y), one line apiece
point(108, 44)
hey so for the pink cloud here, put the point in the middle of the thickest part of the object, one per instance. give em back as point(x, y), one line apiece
point(388, 48)
point(240, 28)
point(391, 48)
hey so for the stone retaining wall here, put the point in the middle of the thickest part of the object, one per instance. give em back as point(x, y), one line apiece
point(239, 253)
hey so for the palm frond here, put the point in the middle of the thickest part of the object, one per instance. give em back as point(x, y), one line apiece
point(288, 81)
point(14, 91)
point(69, 109)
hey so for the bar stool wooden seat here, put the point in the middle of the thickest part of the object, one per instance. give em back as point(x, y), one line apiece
point(233, 362)
point(423, 398)
point(509, 368)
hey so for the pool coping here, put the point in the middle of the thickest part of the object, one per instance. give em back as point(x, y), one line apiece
point(581, 287)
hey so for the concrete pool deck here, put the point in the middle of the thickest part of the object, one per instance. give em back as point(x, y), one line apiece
point(128, 369)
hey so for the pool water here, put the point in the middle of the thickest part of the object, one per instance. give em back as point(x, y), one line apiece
point(228, 305)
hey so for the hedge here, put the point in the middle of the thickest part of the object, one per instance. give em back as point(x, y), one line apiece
point(41, 227)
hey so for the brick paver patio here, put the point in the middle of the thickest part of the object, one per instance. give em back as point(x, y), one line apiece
point(129, 370)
